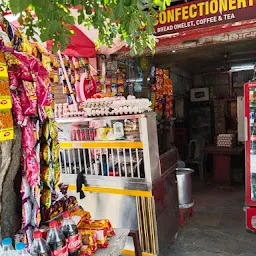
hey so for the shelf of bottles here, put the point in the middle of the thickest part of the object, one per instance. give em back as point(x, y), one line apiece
point(107, 148)
point(252, 97)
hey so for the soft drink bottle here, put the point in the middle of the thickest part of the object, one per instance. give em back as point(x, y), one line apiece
point(71, 234)
point(39, 246)
point(21, 249)
point(7, 244)
point(56, 240)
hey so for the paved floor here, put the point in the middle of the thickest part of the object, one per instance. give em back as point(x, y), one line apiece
point(218, 226)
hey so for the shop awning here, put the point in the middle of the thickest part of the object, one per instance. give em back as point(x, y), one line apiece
point(80, 45)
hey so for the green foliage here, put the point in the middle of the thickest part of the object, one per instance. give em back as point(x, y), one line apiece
point(131, 20)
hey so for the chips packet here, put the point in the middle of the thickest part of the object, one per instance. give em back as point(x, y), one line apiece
point(89, 237)
point(100, 229)
point(79, 216)
point(85, 251)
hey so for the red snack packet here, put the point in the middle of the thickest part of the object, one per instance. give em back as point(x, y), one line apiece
point(79, 216)
point(106, 223)
point(13, 80)
point(17, 109)
point(32, 168)
point(100, 229)
point(28, 137)
point(43, 89)
point(89, 238)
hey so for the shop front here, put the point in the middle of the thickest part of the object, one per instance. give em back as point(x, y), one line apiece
point(105, 146)
point(208, 51)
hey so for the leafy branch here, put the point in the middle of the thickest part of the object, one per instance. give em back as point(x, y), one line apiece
point(131, 20)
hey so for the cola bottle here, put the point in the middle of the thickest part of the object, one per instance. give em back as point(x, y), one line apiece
point(56, 240)
point(39, 246)
point(70, 231)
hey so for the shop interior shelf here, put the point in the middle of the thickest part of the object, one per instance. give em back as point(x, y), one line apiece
point(116, 244)
point(79, 119)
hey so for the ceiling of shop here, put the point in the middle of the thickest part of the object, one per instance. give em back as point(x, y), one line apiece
point(209, 58)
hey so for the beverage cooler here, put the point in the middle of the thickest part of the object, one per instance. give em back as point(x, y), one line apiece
point(250, 154)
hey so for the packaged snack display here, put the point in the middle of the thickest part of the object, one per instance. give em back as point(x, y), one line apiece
point(106, 223)
point(101, 227)
point(79, 216)
point(85, 251)
point(89, 238)
point(162, 92)
point(131, 129)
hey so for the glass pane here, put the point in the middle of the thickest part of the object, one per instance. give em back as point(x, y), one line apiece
point(252, 97)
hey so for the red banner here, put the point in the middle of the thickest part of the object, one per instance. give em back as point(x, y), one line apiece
point(204, 13)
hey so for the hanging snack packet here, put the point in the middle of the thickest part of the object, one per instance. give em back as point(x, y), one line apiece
point(32, 168)
point(53, 129)
point(46, 175)
point(36, 216)
point(55, 150)
point(46, 152)
point(6, 126)
point(71, 203)
point(56, 173)
point(46, 61)
point(28, 137)
point(49, 112)
point(6, 121)
point(46, 130)
point(28, 239)
point(17, 109)
point(46, 197)
point(29, 98)
point(5, 97)
point(26, 212)
point(25, 188)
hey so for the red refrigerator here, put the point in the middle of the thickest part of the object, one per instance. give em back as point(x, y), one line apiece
point(250, 154)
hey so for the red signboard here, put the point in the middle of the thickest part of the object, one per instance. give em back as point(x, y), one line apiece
point(203, 13)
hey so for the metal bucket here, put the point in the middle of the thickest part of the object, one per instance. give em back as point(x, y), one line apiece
point(184, 183)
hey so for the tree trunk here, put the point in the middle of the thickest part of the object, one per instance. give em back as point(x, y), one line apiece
point(10, 181)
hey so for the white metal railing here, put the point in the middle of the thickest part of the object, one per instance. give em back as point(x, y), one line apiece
point(121, 162)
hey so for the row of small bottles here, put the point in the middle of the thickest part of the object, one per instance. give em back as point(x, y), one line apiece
point(21, 246)
point(65, 241)
point(9, 250)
